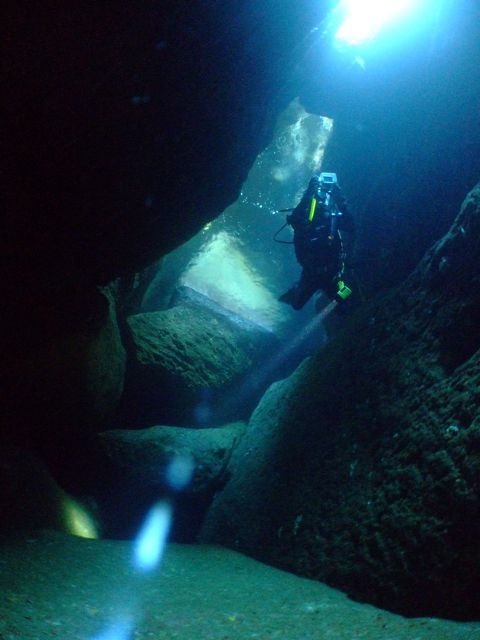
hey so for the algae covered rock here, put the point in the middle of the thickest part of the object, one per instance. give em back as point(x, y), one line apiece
point(187, 359)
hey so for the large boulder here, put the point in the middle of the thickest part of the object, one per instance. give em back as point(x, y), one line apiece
point(133, 468)
point(362, 468)
point(188, 363)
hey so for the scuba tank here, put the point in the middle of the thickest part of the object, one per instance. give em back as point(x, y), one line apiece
point(329, 206)
point(334, 215)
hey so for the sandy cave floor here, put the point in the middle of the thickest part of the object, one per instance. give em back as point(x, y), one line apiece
point(56, 586)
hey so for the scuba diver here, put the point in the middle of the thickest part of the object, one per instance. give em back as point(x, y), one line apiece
point(318, 222)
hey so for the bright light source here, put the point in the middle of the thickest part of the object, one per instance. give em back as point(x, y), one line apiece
point(364, 18)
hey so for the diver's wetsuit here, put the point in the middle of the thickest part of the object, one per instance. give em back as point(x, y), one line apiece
point(318, 250)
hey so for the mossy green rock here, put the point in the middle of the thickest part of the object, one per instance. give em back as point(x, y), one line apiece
point(190, 344)
point(186, 359)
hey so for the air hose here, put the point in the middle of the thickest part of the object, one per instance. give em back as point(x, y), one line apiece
point(279, 231)
point(282, 228)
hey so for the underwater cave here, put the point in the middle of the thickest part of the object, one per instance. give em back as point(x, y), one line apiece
point(241, 364)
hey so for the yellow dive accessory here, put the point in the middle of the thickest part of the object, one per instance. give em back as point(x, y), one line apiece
point(313, 206)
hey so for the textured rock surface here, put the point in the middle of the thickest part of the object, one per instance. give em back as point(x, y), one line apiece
point(187, 359)
point(132, 469)
point(79, 589)
point(362, 469)
point(72, 381)
point(128, 127)
point(141, 456)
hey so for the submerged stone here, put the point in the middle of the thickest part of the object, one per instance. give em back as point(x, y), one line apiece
point(135, 467)
point(187, 360)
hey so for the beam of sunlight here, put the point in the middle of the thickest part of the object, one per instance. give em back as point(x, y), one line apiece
point(298, 340)
point(260, 377)
point(365, 18)
point(151, 540)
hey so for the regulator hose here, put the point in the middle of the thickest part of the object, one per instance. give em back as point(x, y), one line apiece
point(282, 228)
point(282, 241)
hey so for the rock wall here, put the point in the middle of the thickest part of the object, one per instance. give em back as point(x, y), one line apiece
point(362, 468)
point(127, 128)
point(66, 376)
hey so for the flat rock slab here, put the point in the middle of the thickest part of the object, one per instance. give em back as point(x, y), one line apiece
point(132, 468)
point(59, 586)
point(141, 456)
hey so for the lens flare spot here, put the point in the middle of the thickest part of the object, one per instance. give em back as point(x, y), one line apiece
point(77, 520)
point(120, 630)
point(179, 472)
point(150, 543)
